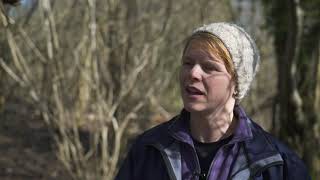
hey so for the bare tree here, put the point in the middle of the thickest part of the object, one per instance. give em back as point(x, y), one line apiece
point(297, 38)
point(90, 67)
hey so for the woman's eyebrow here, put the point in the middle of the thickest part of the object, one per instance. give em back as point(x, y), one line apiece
point(212, 63)
point(186, 58)
point(206, 57)
point(213, 60)
point(190, 56)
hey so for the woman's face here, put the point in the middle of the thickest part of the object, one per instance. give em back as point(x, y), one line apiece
point(204, 80)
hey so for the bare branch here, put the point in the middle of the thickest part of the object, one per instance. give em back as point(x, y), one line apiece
point(32, 45)
point(11, 73)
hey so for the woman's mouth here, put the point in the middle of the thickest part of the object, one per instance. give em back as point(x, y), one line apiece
point(193, 91)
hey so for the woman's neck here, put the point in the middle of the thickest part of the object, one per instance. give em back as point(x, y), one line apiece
point(211, 127)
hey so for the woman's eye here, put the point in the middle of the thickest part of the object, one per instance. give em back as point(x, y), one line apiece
point(211, 68)
point(187, 63)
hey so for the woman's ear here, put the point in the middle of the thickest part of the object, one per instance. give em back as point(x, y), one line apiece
point(234, 88)
point(235, 93)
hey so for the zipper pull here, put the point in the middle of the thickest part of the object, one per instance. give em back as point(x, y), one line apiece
point(202, 176)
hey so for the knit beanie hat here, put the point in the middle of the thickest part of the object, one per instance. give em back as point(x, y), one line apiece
point(243, 51)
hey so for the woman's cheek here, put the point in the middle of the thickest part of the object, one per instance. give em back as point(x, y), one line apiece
point(218, 88)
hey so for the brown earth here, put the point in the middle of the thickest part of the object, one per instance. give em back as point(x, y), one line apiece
point(26, 147)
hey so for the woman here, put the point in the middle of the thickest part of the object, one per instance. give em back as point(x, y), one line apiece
point(213, 138)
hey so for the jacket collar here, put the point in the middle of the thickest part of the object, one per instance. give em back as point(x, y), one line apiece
point(260, 146)
point(180, 129)
point(252, 136)
point(256, 154)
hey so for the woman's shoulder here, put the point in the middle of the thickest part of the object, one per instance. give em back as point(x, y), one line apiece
point(158, 133)
point(292, 161)
point(279, 145)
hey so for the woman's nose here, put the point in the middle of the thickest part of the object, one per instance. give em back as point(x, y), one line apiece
point(196, 72)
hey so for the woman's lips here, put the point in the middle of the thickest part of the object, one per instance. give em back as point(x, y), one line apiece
point(193, 91)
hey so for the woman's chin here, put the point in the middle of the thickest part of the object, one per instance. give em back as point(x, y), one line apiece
point(195, 107)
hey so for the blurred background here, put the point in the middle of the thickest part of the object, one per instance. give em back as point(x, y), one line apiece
point(79, 79)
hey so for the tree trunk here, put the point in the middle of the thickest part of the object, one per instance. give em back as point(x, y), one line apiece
point(297, 50)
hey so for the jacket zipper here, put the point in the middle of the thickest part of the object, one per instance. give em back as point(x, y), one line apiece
point(198, 169)
point(215, 159)
point(209, 170)
point(171, 174)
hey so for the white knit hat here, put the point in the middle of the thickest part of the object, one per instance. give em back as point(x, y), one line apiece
point(243, 51)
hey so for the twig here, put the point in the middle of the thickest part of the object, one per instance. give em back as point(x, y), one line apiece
point(11, 73)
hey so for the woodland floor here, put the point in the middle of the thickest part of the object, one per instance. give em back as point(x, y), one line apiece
point(26, 147)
